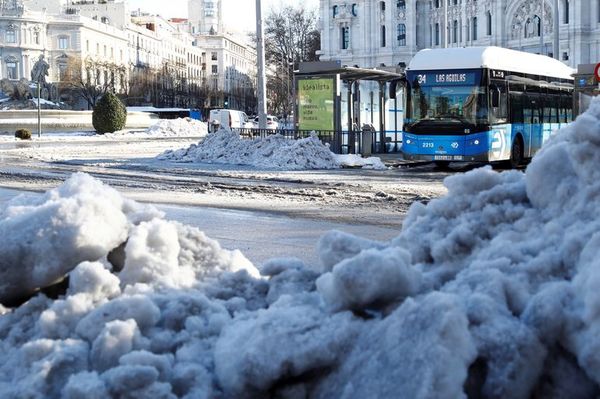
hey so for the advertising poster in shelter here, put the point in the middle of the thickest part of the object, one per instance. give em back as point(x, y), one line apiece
point(315, 103)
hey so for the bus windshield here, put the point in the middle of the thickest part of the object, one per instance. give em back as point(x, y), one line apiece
point(447, 97)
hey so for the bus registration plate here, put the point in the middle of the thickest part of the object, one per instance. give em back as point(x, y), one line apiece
point(442, 158)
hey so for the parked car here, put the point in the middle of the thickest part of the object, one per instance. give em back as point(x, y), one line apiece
point(230, 118)
point(272, 122)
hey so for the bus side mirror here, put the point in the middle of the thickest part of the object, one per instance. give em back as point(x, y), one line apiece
point(394, 86)
point(495, 97)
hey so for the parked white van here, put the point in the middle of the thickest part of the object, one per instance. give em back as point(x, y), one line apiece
point(229, 118)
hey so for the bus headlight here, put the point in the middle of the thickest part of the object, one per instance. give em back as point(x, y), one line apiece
point(408, 141)
point(476, 142)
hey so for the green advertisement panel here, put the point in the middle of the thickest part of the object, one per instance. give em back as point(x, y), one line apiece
point(315, 103)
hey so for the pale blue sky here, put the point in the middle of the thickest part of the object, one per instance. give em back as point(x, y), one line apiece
point(237, 13)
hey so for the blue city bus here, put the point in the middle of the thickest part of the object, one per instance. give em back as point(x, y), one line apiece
point(483, 104)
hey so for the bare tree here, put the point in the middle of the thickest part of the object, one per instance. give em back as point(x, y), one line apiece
point(292, 37)
point(90, 79)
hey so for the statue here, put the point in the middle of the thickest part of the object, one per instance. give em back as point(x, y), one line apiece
point(40, 71)
point(16, 90)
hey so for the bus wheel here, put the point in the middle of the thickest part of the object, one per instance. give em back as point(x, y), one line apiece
point(442, 164)
point(516, 153)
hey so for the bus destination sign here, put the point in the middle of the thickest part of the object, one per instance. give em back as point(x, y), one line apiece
point(445, 78)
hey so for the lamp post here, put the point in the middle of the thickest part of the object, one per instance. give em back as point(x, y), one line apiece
point(39, 109)
point(556, 32)
point(262, 86)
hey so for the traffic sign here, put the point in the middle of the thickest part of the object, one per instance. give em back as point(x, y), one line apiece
point(597, 72)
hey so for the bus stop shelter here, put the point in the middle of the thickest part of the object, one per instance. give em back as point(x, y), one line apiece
point(318, 102)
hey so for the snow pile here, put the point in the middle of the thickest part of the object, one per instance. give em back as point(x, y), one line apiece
point(490, 291)
point(178, 127)
point(273, 152)
point(353, 160)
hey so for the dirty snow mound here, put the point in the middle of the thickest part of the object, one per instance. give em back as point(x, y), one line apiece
point(273, 152)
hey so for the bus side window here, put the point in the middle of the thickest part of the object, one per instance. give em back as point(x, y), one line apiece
point(569, 106)
point(516, 107)
point(533, 106)
point(562, 108)
point(551, 106)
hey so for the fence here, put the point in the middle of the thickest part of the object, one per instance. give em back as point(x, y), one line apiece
point(340, 142)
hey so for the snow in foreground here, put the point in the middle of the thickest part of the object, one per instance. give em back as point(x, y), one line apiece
point(490, 291)
point(273, 152)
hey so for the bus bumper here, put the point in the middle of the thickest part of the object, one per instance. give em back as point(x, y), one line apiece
point(447, 158)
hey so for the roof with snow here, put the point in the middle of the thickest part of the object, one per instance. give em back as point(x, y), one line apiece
point(490, 57)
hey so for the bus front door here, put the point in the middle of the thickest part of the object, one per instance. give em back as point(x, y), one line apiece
point(532, 128)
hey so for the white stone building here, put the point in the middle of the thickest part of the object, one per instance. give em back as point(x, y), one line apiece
point(206, 16)
point(31, 29)
point(230, 71)
point(158, 61)
point(371, 33)
point(387, 33)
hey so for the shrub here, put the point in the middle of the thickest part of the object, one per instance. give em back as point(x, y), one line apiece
point(23, 134)
point(109, 114)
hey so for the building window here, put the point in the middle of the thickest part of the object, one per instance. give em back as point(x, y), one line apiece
point(355, 10)
point(36, 37)
point(430, 35)
point(437, 3)
point(565, 56)
point(401, 5)
point(382, 35)
point(345, 34)
point(12, 70)
point(474, 35)
point(215, 69)
point(62, 71)
point(401, 35)
point(538, 26)
point(455, 31)
point(489, 23)
point(335, 11)
point(382, 6)
point(105, 20)
point(213, 55)
point(63, 42)
point(566, 12)
point(11, 35)
point(437, 34)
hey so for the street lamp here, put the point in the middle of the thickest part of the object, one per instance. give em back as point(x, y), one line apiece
point(262, 89)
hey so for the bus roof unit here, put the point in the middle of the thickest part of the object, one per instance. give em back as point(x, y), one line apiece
point(489, 57)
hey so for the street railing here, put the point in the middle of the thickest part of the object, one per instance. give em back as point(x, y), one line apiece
point(340, 142)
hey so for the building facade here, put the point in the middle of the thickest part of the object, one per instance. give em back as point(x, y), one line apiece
point(147, 59)
point(206, 16)
point(373, 33)
point(230, 66)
